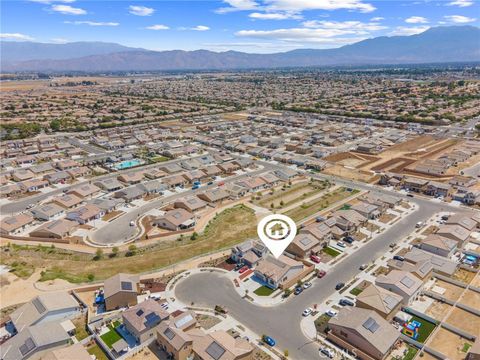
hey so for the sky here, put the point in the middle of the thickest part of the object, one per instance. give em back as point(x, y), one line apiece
point(257, 26)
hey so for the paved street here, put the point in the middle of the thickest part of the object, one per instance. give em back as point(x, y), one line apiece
point(283, 321)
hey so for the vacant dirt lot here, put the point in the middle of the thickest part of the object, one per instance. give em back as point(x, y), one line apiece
point(449, 344)
point(465, 321)
point(476, 281)
point(438, 310)
point(464, 276)
point(472, 299)
point(452, 292)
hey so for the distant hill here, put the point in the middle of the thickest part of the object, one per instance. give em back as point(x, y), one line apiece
point(440, 44)
point(14, 51)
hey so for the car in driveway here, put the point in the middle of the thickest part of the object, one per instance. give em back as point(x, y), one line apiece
point(363, 266)
point(399, 258)
point(327, 352)
point(298, 290)
point(315, 259)
point(268, 340)
point(321, 273)
point(307, 312)
point(341, 244)
point(331, 313)
point(306, 285)
point(339, 286)
point(346, 302)
point(348, 239)
point(243, 269)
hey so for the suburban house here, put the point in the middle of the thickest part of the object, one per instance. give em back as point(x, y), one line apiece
point(57, 177)
point(121, 291)
point(367, 210)
point(131, 178)
point(421, 269)
point(415, 184)
point(174, 220)
point(454, 232)
point(33, 185)
point(363, 332)
point(463, 220)
point(47, 211)
point(439, 245)
point(85, 190)
point(174, 181)
point(34, 341)
point(304, 245)
point(281, 272)
point(86, 213)
point(16, 223)
point(384, 302)
point(142, 320)
point(130, 193)
point(44, 308)
point(402, 283)
point(110, 184)
point(319, 230)
point(190, 203)
point(67, 201)
point(249, 252)
point(181, 339)
point(441, 265)
point(56, 229)
point(214, 195)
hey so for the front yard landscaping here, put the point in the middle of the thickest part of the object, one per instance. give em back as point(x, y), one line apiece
point(331, 252)
point(263, 291)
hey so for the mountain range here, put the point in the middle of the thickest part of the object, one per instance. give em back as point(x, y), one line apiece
point(435, 45)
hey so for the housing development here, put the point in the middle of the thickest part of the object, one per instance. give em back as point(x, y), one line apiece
point(282, 180)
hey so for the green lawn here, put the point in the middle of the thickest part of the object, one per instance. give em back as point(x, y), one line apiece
point(110, 337)
point(355, 291)
point(411, 352)
point(263, 291)
point(97, 351)
point(331, 252)
point(425, 329)
point(159, 158)
point(466, 347)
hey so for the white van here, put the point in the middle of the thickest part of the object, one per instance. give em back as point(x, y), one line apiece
point(419, 224)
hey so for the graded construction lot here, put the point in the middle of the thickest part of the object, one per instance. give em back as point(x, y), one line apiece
point(452, 292)
point(465, 321)
point(449, 344)
point(464, 276)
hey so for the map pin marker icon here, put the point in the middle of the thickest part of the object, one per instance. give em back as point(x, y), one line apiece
point(276, 231)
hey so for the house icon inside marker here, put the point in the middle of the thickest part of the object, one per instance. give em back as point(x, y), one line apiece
point(277, 230)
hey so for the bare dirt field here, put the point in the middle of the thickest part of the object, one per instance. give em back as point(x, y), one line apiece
point(353, 174)
point(472, 299)
point(464, 276)
point(465, 321)
point(452, 292)
point(449, 344)
point(476, 281)
point(438, 310)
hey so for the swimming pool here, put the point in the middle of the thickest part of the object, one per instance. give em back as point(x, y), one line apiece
point(127, 164)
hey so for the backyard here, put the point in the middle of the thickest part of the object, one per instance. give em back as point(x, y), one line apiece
point(229, 227)
point(111, 337)
point(94, 349)
point(425, 329)
point(309, 208)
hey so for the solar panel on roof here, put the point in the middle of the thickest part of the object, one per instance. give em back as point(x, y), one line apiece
point(180, 322)
point(390, 301)
point(169, 333)
point(139, 312)
point(215, 350)
point(38, 305)
point(408, 282)
point(28, 346)
point(126, 285)
point(371, 325)
point(305, 241)
point(151, 319)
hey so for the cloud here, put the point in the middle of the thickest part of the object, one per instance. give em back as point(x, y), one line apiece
point(405, 30)
point(460, 3)
point(296, 6)
point(68, 10)
point(157, 27)
point(195, 28)
point(92, 23)
point(274, 16)
point(459, 19)
point(237, 5)
point(316, 36)
point(52, 1)
point(140, 10)
point(301, 5)
point(356, 27)
point(416, 20)
point(15, 36)
point(377, 18)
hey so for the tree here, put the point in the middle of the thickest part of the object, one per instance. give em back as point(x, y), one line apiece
point(114, 251)
point(55, 124)
point(282, 203)
point(194, 236)
point(98, 254)
point(90, 277)
point(132, 250)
